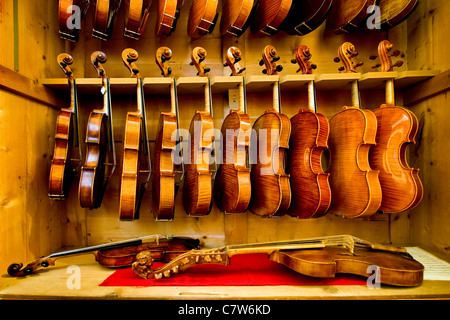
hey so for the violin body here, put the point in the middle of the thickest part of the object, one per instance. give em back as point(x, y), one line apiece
point(355, 186)
point(236, 16)
point(308, 16)
point(202, 18)
point(197, 189)
point(395, 12)
point(136, 15)
point(65, 15)
point(104, 18)
point(347, 16)
point(269, 16)
point(232, 186)
point(271, 192)
point(168, 14)
point(401, 185)
point(311, 193)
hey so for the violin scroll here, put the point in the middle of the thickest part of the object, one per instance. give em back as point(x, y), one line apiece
point(198, 57)
point(302, 58)
point(64, 61)
point(97, 59)
point(17, 269)
point(385, 54)
point(234, 55)
point(269, 59)
point(347, 53)
point(162, 56)
point(129, 57)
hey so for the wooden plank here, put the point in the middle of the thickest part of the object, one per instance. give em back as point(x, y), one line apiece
point(427, 89)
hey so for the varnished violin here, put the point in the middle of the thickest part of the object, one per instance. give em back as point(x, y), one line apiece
point(100, 156)
point(115, 254)
point(167, 17)
point(197, 189)
point(269, 16)
point(347, 16)
point(136, 163)
point(68, 29)
point(202, 18)
point(311, 194)
point(236, 16)
point(324, 258)
point(397, 128)
point(104, 18)
point(136, 16)
point(355, 187)
point(163, 181)
point(271, 192)
point(232, 186)
point(393, 13)
point(66, 152)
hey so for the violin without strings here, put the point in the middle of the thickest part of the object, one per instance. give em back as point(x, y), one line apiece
point(236, 16)
point(66, 10)
point(136, 16)
point(104, 18)
point(347, 16)
point(167, 17)
point(202, 18)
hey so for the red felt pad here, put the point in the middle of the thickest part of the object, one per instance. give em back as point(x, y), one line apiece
point(244, 270)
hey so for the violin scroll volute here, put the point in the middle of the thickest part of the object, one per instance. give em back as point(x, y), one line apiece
point(234, 55)
point(64, 61)
point(162, 56)
point(198, 57)
point(385, 53)
point(269, 60)
point(129, 57)
point(98, 58)
point(347, 54)
point(302, 58)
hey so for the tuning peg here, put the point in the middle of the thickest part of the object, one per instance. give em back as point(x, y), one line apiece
point(237, 59)
point(242, 70)
point(275, 59)
point(341, 69)
point(373, 56)
point(225, 64)
point(396, 53)
point(337, 60)
point(293, 61)
point(206, 70)
point(169, 70)
point(261, 62)
point(398, 64)
point(264, 71)
point(191, 63)
point(313, 66)
point(376, 66)
point(279, 68)
point(359, 64)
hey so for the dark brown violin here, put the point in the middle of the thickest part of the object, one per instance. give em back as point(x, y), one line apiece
point(164, 181)
point(232, 186)
point(271, 192)
point(349, 15)
point(316, 257)
point(104, 18)
point(68, 9)
point(311, 194)
point(202, 18)
point(354, 184)
point(397, 128)
point(136, 163)
point(115, 254)
point(197, 189)
point(136, 15)
point(66, 153)
point(100, 158)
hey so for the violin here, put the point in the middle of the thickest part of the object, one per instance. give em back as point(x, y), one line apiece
point(347, 16)
point(163, 181)
point(136, 151)
point(167, 17)
point(393, 13)
point(397, 128)
point(270, 15)
point(116, 254)
point(100, 157)
point(355, 187)
point(202, 18)
point(311, 193)
point(236, 16)
point(65, 18)
point(66, 160)
point(308, 16)
point(271, 192)
point(136, 15)
point(197, 189)
point(232, 186)
point(269, 60)
point(316, 257)
point(104, 18)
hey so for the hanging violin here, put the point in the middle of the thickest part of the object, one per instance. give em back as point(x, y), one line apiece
point(347, 16)
point(163, 182)
point(311, 194)
point(232, 186)
point(136, 151)
point(397, 128)
point(197, 189)
point(236, 16)
point(354, 185)
point(100, 158)
point(104, 18)
point(167, 17)
point(66, 13)
point(65, 162)
point(136, 15)
point(393, 13)
point(202, 18)
point(271, 192)
point(269, 16)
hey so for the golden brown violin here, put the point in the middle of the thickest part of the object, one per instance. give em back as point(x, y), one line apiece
point(269, 60)
point(236, 16)
point(347, 16)
point(136, 16)
point(163, 181)
point(167, 17)
point(232, 186)
point(393, 13)
point(397, 128)
point(104, 18)
point(355, 188)
point(311, 193)
point(316, 257)
point(136, 163)
point(100, 157)
point(269, 16)
point(115, 254)
point(197, 189)
point(66, 152)
point(202, 18)
point(271, 192)
point(69, 10)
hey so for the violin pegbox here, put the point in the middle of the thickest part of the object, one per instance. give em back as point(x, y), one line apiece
point(269, 59)
point(302, 57)
point(129, 57)
point(162, 56)
point(347, 53)
point(234, 55)
point(64, 61)
point(385, 53)
point(98, 58)
point(198, 57)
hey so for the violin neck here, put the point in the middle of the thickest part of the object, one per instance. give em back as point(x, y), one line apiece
point(242, 98)
point(312, 103)
point(173, 97)
point(276, 97)
point(208, 98)
point(390, 93)
point(356, 99)
point(74, 108)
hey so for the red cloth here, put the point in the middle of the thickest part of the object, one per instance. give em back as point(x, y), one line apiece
point(244, 270)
